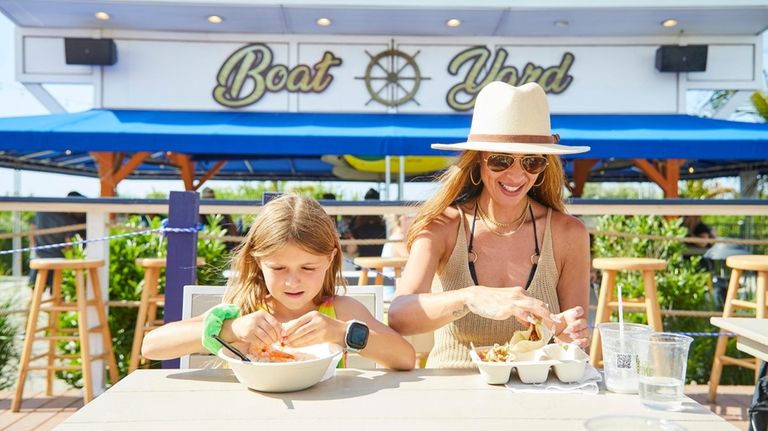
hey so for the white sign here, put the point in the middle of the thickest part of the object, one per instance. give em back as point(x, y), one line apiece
point(378, 75)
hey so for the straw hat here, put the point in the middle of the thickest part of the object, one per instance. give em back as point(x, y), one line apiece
point(511, 119)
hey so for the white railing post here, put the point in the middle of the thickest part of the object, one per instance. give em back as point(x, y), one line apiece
point(96, 227)
point(16, 216)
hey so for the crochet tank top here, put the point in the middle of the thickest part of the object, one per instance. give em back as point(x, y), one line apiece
point(451, 348)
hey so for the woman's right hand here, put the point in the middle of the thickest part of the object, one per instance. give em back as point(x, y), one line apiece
point(501, 303)
point(259, 327)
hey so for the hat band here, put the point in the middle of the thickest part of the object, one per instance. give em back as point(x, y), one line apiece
point(525, 139)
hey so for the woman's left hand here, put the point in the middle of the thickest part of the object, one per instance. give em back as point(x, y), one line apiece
point(313, 328)
point(575, 327)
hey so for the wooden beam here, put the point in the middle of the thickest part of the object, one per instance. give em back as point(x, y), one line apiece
point(208, 175)
point(672, 169)
point(581, 170)
point(652, 173)
point(187, 167)
point(128, 168)
point(106, 164)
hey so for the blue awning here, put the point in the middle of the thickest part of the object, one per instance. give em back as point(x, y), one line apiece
point(305, 134)
point(306, 145)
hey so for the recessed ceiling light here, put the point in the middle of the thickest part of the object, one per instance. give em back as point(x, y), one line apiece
point(215, 19)
point(560, 23)
point(323, 22)
point(453, 22)
point(669, 22)
point(102, 16)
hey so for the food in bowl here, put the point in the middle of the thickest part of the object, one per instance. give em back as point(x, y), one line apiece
point(288, 376)
point(276, 353)
point(497, 353)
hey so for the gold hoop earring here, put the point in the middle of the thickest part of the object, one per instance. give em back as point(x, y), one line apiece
point(472, 178)
point(540, 182)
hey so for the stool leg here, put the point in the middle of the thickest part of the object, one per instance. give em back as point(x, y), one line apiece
point(363, 277)
point(29, 338)
point(379, 276)
point(85, 344)
point(152, 319)
point(760, 295)
point(53, 323)
point(141, 318)
point(760, 299)
point(722, 342)
point(652, 307)
point(153, 295)
point(603, 314)
point(106, 334)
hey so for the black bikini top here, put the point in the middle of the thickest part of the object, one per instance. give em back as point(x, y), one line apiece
point(534, 257)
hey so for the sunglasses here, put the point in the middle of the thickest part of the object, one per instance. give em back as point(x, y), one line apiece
point(531, 164)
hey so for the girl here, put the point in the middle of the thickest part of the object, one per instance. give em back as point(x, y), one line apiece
point(287, 270)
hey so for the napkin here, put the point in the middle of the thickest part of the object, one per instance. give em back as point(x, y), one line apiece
point(587, 384)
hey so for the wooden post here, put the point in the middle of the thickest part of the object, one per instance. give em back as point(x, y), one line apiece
point(183, 212)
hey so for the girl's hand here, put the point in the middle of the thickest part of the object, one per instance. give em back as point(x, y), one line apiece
point(258, 328)
point(314, 328)
point(502, 303)
point(575, 327)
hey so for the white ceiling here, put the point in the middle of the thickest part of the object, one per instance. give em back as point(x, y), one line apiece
point(400, 17)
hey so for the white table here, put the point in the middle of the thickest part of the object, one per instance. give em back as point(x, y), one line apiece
point(212, 399)
point(752, 334)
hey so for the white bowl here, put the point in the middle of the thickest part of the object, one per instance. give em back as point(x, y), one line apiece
point(286, 376)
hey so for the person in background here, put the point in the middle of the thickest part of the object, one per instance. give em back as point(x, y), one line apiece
point(698, 229)
point(367, 227)
point(227, 223)
point(289, 266)
point(497, 237)
point(47, 220)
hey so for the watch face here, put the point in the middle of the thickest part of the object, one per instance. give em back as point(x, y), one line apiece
point(357, 335)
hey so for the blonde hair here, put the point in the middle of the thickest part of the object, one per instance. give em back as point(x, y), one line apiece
point(289, 219)
point(458, 189)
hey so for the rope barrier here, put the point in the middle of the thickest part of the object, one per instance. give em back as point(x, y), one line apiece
point(163, 230)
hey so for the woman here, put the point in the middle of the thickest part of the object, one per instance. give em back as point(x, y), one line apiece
point(497, 237)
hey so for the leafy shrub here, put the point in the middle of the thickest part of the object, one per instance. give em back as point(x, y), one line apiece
point(684, 285)
point(9, 354)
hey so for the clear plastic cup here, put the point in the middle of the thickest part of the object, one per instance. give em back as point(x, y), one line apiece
point(662, 358)
point(618, 355)
point(630, 423)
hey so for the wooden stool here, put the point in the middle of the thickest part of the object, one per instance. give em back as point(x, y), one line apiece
point(610, 266)
point(151, 298)
point(378, 264)
point(739, 264)
point(56, 305)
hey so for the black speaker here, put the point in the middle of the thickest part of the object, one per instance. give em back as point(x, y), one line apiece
point(90, 51)
point(688, 58)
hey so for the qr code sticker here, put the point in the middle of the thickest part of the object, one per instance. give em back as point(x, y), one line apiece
point(623, 360)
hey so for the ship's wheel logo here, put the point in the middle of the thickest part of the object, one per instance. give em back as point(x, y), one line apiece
point(392, 77)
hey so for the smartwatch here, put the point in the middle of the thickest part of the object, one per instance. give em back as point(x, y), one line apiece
point(357, 336)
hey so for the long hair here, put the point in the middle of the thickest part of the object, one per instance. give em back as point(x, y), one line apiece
point(457, 188)
point(289, 219)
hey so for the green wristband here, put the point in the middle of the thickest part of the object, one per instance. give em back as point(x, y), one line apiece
point(212, 323)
